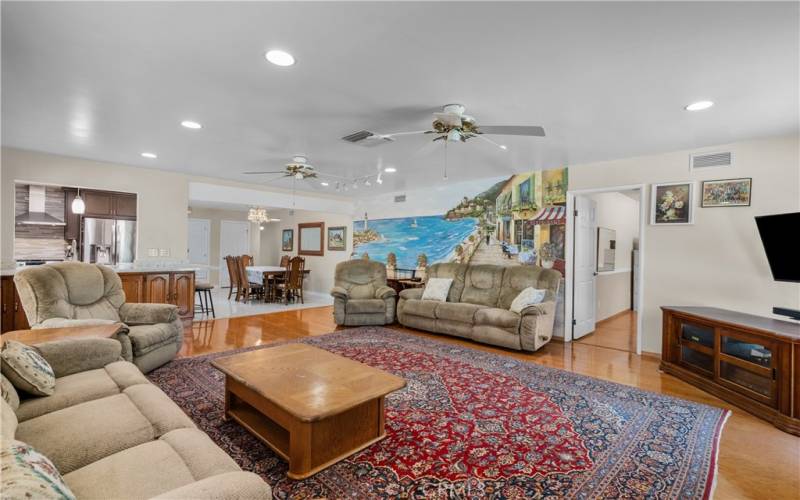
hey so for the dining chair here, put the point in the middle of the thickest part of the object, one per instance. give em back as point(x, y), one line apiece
point(233, 275)
point(294, 279)
point(249, 288)
point(275, 279)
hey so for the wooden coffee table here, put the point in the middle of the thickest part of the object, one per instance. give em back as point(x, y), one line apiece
point(41, 335)
point(313, 407)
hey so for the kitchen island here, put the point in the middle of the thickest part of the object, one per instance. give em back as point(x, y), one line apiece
point(155, 284)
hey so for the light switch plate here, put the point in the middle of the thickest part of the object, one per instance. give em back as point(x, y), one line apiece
point(164, 252)
point(152, 252)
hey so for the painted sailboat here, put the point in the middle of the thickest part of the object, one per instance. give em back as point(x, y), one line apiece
point(414, 223)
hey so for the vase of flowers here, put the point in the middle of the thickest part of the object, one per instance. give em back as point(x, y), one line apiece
point(548, 255)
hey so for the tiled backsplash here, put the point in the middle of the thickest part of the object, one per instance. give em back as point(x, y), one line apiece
point(39, 242)
point(38, 248)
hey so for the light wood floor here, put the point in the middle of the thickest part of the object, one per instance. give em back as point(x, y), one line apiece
point(756, 460)
point(616, 332)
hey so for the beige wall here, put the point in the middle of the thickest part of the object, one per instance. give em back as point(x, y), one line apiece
point(621, 213)
point(322, 268)
point(162, 196)
point(215, 216)
point(719, 261)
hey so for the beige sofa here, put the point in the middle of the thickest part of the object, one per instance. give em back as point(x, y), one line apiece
point(360, 294)
point(113, 434)
point(75, 293)
point(478, 302)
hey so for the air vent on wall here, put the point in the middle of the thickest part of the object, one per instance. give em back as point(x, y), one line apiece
point(706, 160)
point(400, 198)
point(366, 138)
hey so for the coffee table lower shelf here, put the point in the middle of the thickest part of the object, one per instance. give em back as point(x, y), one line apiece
point(309, 447)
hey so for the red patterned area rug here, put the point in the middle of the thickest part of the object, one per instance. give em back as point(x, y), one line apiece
point(471, 424)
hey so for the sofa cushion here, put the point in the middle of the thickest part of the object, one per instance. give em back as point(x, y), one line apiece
point(8, 421)
point(457, 311)
point(503, 337)
point(9, 392)
point(527, 297)
point(424, 308)
point(437, 289)
point(179, 458)
point(29, 474)
point(229, 486)
point(83, 386)
point(27, 370)
point(365, 306)
point(84, 433)
point(162, 413)
point(482, 284)
point(146, 338)
point(518, 278)
point(453, 271)
point(494, 316)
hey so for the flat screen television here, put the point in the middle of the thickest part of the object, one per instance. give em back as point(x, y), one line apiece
point(778, 235)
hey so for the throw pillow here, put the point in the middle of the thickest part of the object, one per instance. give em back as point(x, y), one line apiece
point(527, 297)
point(437, 289)
point(29, 474)
point(9, 393)
point(27, 369)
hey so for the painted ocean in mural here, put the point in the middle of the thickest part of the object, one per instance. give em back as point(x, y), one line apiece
point(408, 237)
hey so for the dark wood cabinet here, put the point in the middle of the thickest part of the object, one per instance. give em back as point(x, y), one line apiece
point(72, 230)
point(98, 203)
point(133, 286)
point(12, 315)
point(182, 293)
point(750, 361)
point(125, 205)
point(157, 288)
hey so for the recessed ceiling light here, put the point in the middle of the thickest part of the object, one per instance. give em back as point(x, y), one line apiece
point(390, 170)
point(191, 124)
point(279, 58)
point(323, 183)
point(699, 106)
point(150, 155)
point(503, 147)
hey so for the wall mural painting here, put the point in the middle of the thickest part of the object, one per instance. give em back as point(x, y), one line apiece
point(517, 220)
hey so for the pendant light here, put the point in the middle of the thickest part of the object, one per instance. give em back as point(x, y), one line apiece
point(78, 206)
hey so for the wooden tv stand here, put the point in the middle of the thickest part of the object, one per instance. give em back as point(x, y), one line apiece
point(750, 361)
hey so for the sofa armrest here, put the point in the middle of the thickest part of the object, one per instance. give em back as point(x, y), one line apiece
point(69, 323)
point(147, 314)
point(384, 292)
point(75, 355)
point(339, 292)
point(536, 325)
point(412, 293)
point(539, 309)
point(228, 486)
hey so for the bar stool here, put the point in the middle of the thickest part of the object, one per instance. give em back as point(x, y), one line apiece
point(204, 289)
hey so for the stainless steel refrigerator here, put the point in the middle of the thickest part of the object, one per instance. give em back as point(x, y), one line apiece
point(108, 241)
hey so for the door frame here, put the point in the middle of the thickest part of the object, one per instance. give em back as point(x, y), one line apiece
point(570, 257)
point(221, 241)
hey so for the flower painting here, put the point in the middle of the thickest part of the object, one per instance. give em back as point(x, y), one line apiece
point(727, 193)
point(672, 203)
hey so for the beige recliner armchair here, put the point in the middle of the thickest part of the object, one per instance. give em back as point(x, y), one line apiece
point(360, 294)
point(75, 293)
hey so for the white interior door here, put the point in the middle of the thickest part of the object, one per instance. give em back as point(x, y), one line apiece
point(200, 245)
point(234, 239)
point(584, 301)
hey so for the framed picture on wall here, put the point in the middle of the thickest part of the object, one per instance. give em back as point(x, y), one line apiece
point(310, 238)
point(727, 193)
point(672, 203)
point(337, 238)
point(287, 240)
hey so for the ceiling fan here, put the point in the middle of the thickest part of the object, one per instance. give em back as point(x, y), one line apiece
point(298, 169)
point(453, 125)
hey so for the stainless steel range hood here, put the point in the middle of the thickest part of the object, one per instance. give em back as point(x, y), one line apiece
point(36, 216)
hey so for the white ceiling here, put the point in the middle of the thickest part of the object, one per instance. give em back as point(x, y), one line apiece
point(109, 80)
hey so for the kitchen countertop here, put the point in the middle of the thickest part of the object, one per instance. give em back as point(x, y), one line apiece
point(135, 268)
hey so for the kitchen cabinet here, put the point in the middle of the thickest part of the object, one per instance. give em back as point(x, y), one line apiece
point(125, 205)
point(12, 315)
point(109, 204)
point(159, 287)
point(72, 230)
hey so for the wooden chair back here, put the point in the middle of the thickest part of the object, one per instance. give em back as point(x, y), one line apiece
point(284, 261)
point(294, 273)
point(243, 262)
point(233, 270)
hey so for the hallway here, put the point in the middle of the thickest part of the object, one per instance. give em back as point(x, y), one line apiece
point(617, 332)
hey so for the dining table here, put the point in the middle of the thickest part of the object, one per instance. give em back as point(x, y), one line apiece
point(262, 274)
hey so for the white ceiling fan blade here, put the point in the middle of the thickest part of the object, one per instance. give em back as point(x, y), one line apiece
point(450, 119)
point(512, 130)
point(500, 146)
point(277, 178)
point(396, 134)
point(265, 172)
